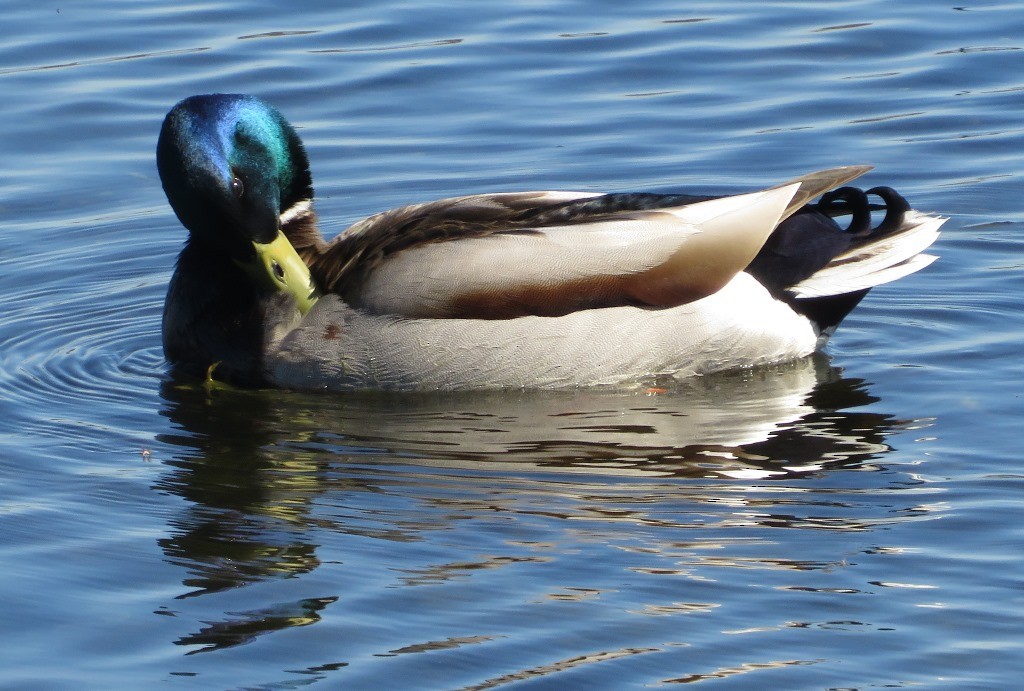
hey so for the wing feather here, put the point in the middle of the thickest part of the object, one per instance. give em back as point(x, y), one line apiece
point(815, 184)
point(656, 257)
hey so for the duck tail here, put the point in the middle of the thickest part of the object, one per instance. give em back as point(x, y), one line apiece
point(882, 256)
point(891, 250)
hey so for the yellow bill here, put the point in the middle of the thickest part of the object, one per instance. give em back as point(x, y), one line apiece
point(279, 267)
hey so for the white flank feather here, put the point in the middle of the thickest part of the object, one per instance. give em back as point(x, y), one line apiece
point(742, 325)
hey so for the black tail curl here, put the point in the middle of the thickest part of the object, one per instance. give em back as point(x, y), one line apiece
point(853, 202)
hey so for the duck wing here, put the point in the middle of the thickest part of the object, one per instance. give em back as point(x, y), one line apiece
point(502, 256)
point(817, 183)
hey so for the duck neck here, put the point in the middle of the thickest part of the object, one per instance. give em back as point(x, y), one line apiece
point(213, 316)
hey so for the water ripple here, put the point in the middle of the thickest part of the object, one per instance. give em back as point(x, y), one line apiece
point(83, 348)
point(102, 61)
point(404, 46)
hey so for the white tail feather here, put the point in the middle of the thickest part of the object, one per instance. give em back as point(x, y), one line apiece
point(890, 257)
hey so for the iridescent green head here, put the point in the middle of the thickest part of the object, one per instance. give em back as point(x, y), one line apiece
point(230, 165)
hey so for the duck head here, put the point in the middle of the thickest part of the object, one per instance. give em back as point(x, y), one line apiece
point(231, 165)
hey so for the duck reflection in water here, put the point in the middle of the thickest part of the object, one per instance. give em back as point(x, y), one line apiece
point(264, 472)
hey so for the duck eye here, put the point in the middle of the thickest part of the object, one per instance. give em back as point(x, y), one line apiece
point(237, 187)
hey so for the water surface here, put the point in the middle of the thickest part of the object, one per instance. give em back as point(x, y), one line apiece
point(848, 521)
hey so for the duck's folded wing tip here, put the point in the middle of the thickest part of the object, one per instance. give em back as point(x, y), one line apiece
point(817, 183)
point(728, 241)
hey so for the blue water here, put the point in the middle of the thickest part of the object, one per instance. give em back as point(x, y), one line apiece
point(850, 521)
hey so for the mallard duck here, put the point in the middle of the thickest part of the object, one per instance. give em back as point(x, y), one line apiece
point(531, 289)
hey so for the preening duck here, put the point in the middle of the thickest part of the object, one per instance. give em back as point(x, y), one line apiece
point(531, 289)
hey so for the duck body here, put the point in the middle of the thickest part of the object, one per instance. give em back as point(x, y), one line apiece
point(521, 290)
point(339, 347)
